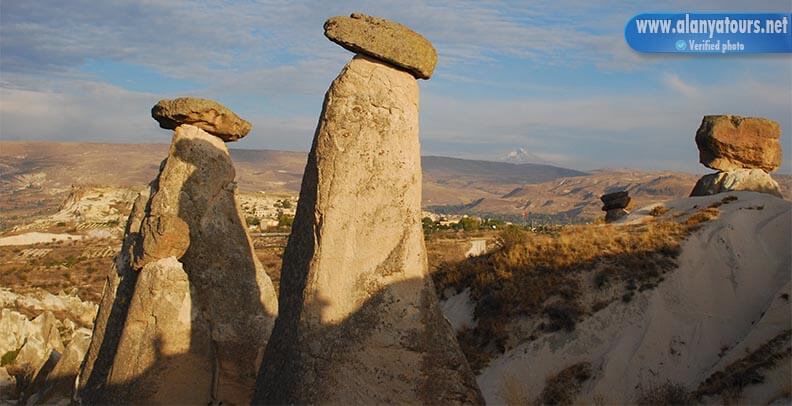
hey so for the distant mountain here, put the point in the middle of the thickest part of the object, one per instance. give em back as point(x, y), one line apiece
point(577, 198)
point(41, 173)
point(55, 166)
point(454, 181)
point(523, 156)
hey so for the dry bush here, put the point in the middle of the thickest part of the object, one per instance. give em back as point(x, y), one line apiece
point(658, 211)
point(729, 383)
point(695, 221)
point(666, 394)
point(538, 275)
point(563, 316)
point(562, 389)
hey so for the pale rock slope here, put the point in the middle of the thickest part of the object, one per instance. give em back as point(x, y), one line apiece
point(728, 298)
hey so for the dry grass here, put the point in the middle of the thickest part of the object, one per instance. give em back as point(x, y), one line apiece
point(62, 269)
point(729, 383)
point(271, 259)
point(668, 393)
point(513, 392)
point(562, 388)
point(658, 211)
point(545, 275)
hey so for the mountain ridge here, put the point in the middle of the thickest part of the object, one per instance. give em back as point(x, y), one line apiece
point(450, 185)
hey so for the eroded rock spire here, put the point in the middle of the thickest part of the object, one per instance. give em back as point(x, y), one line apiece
point(359, 321)
point(188, 308)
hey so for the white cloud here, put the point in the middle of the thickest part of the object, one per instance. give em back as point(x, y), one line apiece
point(673, 81)
point(85, 111)
point(274, 53)
point(653, 129)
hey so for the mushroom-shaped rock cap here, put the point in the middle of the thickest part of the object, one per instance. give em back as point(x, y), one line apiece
point(615, 200)
point(728, 143)
point(205, 114)
point(385, 40)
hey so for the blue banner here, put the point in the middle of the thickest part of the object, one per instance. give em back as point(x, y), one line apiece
point(710, 33)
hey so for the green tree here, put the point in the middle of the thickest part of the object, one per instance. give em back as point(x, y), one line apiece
point(283, 204)
point(428, 225)
point(469, 223)
point(285, 220)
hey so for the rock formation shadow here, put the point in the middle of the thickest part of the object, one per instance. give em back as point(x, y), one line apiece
point(223, 299)
point(346, 337)
point(224, 296)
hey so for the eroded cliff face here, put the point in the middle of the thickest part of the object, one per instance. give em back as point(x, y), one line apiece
point(188, 308)
point(359, 319)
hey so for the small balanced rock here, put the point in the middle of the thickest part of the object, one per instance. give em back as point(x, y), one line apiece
point(615, 204)
point(744, 150)
point(205, 114)
point(384, 40)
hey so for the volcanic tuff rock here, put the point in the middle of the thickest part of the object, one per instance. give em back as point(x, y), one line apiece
point(188, 308)
point(41, 357)
point(612, 215)
point(165, 347)
point(359, 321)
point(733, 142)
point(743, 149)
point(615, 200)
point(384, 40)
point(205, 114)
point(615, 204)
point(755, 180)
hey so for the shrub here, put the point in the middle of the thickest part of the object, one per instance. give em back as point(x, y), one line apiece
point(285, 220)
point(429, 225)
point(253, 221)
point(658, 211)
point(665, 394)
point(601, 279)
point(563, 316)
point(728, 199)
point(283, 204)
point(468, 224)
point(70, 261)
point(748, 370)
point(695, 221)
point(562, 388)
point(530, 269)
point(512, 236)
point(8, 358)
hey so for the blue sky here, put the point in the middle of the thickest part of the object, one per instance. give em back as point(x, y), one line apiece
point(553, 77)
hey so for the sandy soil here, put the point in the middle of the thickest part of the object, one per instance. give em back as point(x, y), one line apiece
point(36, 238)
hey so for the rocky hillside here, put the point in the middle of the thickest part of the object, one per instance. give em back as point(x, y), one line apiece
point(679, 303)
point(36, 176)
point(26, 166)
point(576, 199)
